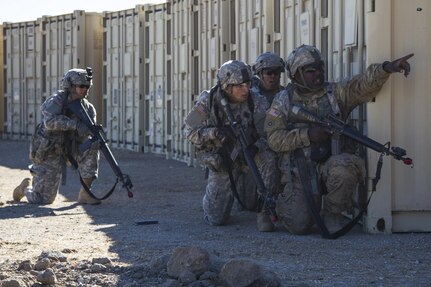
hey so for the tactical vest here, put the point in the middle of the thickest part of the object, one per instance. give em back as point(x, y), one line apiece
point(217, 117)
point(327, 104)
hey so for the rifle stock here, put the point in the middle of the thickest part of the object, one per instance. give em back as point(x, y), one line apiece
point(269, 200)
point(98, 135)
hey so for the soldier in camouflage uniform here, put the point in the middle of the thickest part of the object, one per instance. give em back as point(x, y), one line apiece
point(266, 80)
point(57, 139)
point(335, 174)
point(207, 127)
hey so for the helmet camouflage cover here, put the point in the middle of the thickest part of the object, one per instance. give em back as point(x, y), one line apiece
point(77, 77)
point(268, 60)
point(302, 56)
point(233, 72)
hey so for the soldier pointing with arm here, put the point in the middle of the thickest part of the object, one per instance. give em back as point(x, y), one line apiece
point(334, 169)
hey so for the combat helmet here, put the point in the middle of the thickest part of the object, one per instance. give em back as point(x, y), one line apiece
point(302, 56)
point(268, 60)
point(77, 77)
point(233, 72)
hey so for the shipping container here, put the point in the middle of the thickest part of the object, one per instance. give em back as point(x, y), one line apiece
point(22, 64)
point(399, 114)
point(123, 86)
point(70, 41)
point(158, 76)
point(185, 39)
point(36, 56)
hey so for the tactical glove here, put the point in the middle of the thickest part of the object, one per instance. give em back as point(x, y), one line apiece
point(225, 135)
point(82, 129)
point(318, 134)
point(398, 66)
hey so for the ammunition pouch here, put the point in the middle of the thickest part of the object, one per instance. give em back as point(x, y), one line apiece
point(212, 159)
point(41, 147)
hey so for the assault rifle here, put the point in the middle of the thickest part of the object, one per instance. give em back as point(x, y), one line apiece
point(240, 135)
point(338, 127)
point(98, 135)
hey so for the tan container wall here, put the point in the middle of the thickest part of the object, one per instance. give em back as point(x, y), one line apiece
point(123, 85)
point(38, 54)
point(92, 57)
point(402, 200)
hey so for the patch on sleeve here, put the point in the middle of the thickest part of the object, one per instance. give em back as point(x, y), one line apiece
point(273, 112)
point(201, 109)
point(197, 116)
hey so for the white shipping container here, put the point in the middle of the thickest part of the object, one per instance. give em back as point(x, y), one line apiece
point(185, 41)
point(252, 29)
point(124, 38)
point(158, 66)
point(23, 79)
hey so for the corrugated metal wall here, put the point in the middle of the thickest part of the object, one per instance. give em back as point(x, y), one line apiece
point(158, 63)
point(36, 56)
point(402, 202)
point(123, 69)
point(23, 82)
point(158, 58)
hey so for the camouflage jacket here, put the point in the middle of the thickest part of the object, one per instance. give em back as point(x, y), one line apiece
point(58, 123)
point(285, 136)
point(207, 114)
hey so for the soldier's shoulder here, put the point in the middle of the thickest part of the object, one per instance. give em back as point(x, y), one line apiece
point(58, 98)
point(204, 97)
point(281, 97)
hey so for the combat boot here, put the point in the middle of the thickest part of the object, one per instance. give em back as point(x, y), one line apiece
point(84, 197)
point(19, 191)
point(264, 223)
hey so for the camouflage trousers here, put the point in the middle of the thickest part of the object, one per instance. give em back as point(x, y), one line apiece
point(218, 199)
point(47, 175)
point(339, 177)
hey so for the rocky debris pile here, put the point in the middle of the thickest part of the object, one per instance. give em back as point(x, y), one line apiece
point(52, 268)
point(186, 266)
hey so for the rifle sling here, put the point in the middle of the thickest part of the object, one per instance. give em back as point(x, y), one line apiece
point(228, 165)
point(84, 185)
point(306, 179)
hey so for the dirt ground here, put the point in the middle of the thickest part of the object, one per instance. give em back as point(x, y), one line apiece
point(171, 192)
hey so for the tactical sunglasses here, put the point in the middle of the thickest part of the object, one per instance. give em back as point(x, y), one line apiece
point(83, 86)
point(271, 72)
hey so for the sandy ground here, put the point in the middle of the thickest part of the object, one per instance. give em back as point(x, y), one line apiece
point(171, 193)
